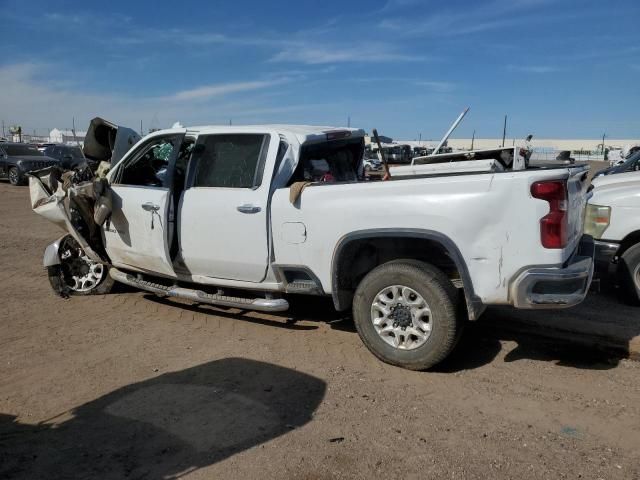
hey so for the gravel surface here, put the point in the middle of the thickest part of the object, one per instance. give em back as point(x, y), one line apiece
point(131, 386)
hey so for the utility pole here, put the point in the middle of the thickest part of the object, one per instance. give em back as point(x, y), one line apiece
point(349, 121)
point(73, 130)
point(473, 137)
point(603, 153)
point(420, 141)
point(230, 122)
point(504, 130)
point(3, 128)
point(141, 132)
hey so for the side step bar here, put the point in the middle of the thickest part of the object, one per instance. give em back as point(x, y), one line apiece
point(259, 304)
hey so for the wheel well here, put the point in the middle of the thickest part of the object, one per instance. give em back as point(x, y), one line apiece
point(628, 242)
point(357, 257)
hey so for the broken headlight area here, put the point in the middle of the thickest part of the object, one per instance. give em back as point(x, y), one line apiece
point(77, 201)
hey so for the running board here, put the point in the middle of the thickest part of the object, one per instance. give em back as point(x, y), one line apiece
point(259, 304)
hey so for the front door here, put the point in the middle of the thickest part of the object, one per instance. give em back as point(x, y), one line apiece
point(140, 230)
point(223, 214)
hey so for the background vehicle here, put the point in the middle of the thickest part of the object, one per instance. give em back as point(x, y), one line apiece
point(613, 218)
point(631, 164)
point(371, 162)
point(70, 157)
point(18, 159)
point(241, 215)
point(398, 154)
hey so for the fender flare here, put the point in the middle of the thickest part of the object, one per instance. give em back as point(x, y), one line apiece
point(475, 307)
point(51, 253)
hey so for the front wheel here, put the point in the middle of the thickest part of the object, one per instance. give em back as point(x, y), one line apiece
point(77, 274)
point(405, 313)
point(15, 178)
point(630, 274)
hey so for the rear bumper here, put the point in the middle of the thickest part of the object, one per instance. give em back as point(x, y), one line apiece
point(556, 287)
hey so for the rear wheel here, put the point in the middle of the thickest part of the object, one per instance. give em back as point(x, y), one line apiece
point(77, 274)
point(630, 274)
point(14, 176)
point(405, 313)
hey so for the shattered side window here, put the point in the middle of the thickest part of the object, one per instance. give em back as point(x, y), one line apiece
point(231, 161)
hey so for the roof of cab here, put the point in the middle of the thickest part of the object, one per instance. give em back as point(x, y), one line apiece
point(303, 133)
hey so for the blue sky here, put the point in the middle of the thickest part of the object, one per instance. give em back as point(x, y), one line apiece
point(559, 69)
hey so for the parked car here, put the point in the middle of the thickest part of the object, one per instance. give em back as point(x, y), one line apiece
point(631, 164)
point(70, 157)
point(371, 163)
point(613, 218)
point(238, 216)
point(18, 159)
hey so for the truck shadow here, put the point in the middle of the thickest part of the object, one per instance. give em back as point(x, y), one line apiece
point(564, 337)
point(165, 426)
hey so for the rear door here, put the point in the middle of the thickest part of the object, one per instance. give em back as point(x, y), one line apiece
point(223, 215)
point(140, 229)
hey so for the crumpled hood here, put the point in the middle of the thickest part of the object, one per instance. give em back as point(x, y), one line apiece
point(108, 142)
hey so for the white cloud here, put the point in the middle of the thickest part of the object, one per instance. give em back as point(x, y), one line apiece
point(43, 105)
point(311, 55)
point(440, 87)
point(448, 23)
point(222, 89)
point(533, 68)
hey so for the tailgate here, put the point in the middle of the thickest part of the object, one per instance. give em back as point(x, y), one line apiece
point(578, 194)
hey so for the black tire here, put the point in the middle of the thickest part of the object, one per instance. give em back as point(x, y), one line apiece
point(438, 292)
point(629, 272)
point(59, 275)
point(15, 177)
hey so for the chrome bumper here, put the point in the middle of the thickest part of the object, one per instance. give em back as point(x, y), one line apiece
point(556, 287)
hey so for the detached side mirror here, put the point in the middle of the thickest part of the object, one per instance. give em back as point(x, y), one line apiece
point(104, 202)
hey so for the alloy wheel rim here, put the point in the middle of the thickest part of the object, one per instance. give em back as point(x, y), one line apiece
point(401, 317)
point(87, 279)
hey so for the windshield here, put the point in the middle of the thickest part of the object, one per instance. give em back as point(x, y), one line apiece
point(14, 150)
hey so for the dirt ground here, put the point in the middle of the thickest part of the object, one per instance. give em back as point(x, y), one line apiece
point(130, 386)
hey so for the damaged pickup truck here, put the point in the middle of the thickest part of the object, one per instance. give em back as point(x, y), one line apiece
point(242, 216)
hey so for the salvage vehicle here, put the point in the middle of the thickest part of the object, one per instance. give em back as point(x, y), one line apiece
point(631, 164)
point(18, 159)
point(613, 219)
point(243, 216)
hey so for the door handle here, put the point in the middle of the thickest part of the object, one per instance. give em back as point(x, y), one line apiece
point(248, 208)
point(150, 207)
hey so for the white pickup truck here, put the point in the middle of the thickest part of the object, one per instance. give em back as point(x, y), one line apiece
point(613, 219)
point(241, 216)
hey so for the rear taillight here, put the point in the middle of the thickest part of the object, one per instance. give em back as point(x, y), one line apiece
point(553, 226)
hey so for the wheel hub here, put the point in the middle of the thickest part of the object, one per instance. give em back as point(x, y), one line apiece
point(401, 317)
